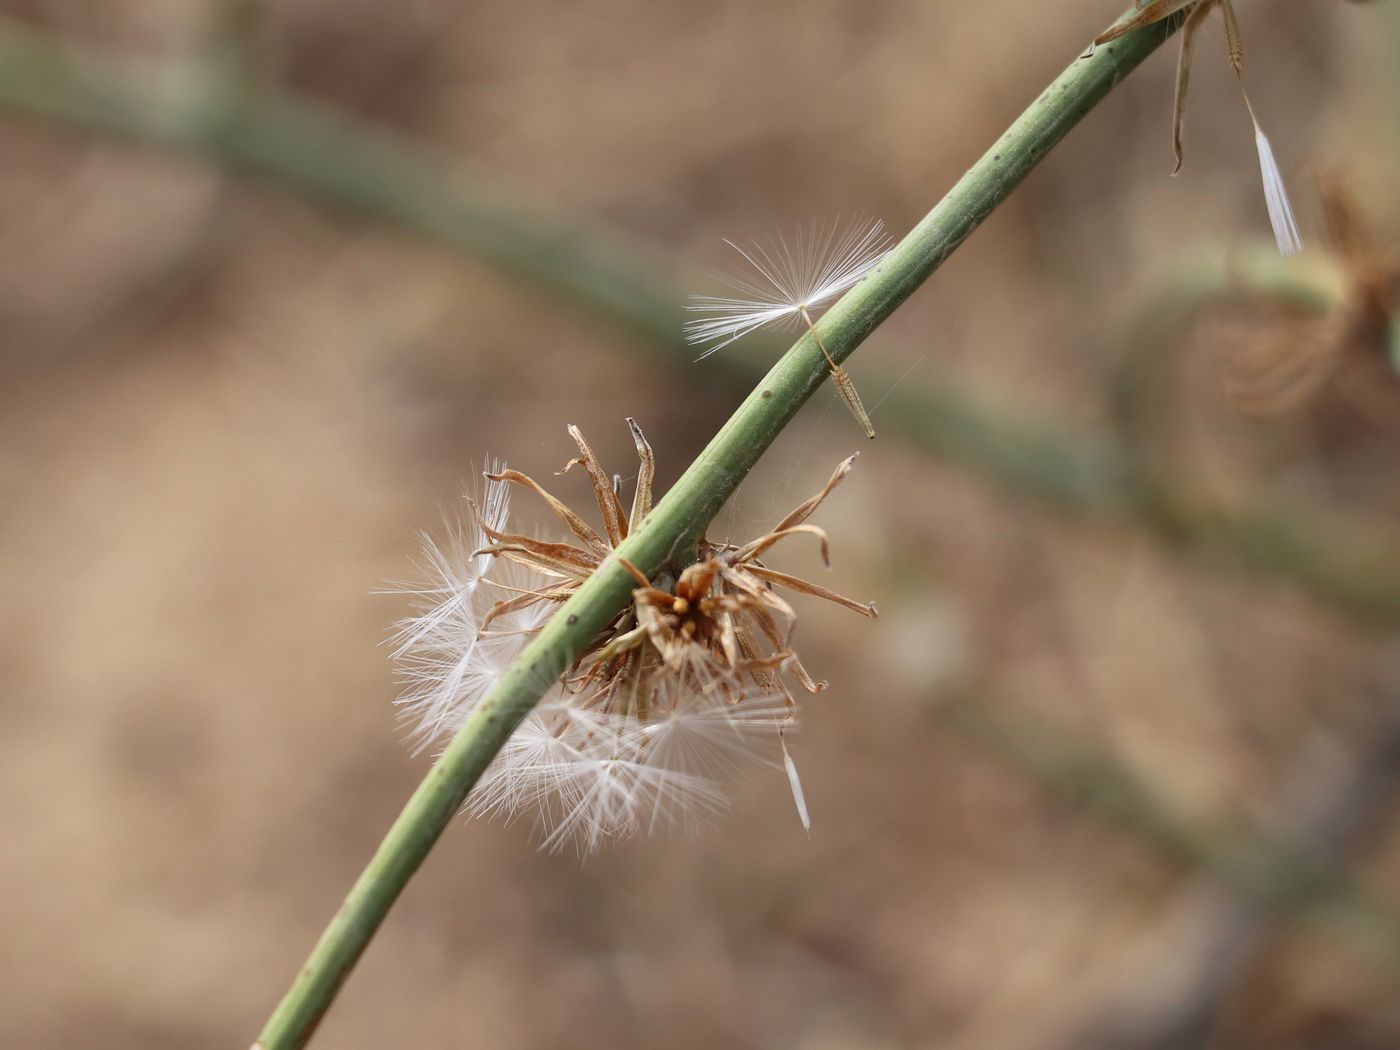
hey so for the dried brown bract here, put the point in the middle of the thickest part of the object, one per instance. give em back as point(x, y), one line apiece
point(724, 614)
point(569, 563)
point(705, 647)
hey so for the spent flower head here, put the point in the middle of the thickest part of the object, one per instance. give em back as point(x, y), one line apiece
point(683, 690)
point(1284, 357)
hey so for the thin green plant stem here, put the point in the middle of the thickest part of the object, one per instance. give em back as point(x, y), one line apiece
point(213, 110)
point(671, 531)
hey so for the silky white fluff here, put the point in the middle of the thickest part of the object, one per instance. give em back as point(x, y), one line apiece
point(445, 664)
point(788, 280)
point(592, 775)
point(1290, 241)
point(586, 774)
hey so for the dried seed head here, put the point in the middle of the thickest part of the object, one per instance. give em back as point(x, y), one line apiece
point(682, 691)
point(1283, 357)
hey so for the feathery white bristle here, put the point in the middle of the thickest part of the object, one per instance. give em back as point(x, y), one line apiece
point(820, 264)
point(592, 775)
point(795, 783)
point(1281, 218)
point(444, 664)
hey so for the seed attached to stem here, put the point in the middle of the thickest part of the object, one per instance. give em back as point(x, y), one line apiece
point(791, 281)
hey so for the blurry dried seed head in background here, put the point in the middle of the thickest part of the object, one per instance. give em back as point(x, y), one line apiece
point(1283, 359)
point(684, 688)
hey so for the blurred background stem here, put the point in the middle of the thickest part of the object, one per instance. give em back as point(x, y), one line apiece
point(214, 111)
point(1293, 870)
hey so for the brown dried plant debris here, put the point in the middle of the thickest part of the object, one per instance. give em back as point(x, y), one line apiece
point(699, 656)
point(1194, 14)
point(720, 616)
point(1282, 361)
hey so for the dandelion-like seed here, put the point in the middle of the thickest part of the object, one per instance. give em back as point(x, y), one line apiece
point(789, 281)
point(1196, 11)
point(683, 691)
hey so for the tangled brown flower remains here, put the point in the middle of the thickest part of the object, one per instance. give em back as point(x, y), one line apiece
point(716, 628)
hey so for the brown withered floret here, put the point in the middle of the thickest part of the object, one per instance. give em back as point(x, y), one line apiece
point(569, 563)
point(720, 621)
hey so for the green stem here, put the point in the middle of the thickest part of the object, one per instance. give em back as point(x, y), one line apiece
point(679, 519)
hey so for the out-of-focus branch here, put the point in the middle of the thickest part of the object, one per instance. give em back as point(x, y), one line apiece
point(212, 111)
point(1171, 996)
point(1290, 869)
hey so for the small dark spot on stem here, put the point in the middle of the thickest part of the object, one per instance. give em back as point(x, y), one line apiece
point(768, 393)
point(571, 620)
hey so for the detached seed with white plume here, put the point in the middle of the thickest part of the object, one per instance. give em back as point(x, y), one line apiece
point(684, 689)
point(787, 283)
point(1196, 11)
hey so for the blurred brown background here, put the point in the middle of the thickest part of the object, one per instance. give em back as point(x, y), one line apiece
point(227, 405)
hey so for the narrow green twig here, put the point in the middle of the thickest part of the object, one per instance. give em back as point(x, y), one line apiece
point(212, 111)
point(672, 529)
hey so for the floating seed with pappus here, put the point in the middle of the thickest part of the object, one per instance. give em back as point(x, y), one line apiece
point(791, 281)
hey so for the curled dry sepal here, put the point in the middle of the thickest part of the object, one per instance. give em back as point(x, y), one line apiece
point(684, 689)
